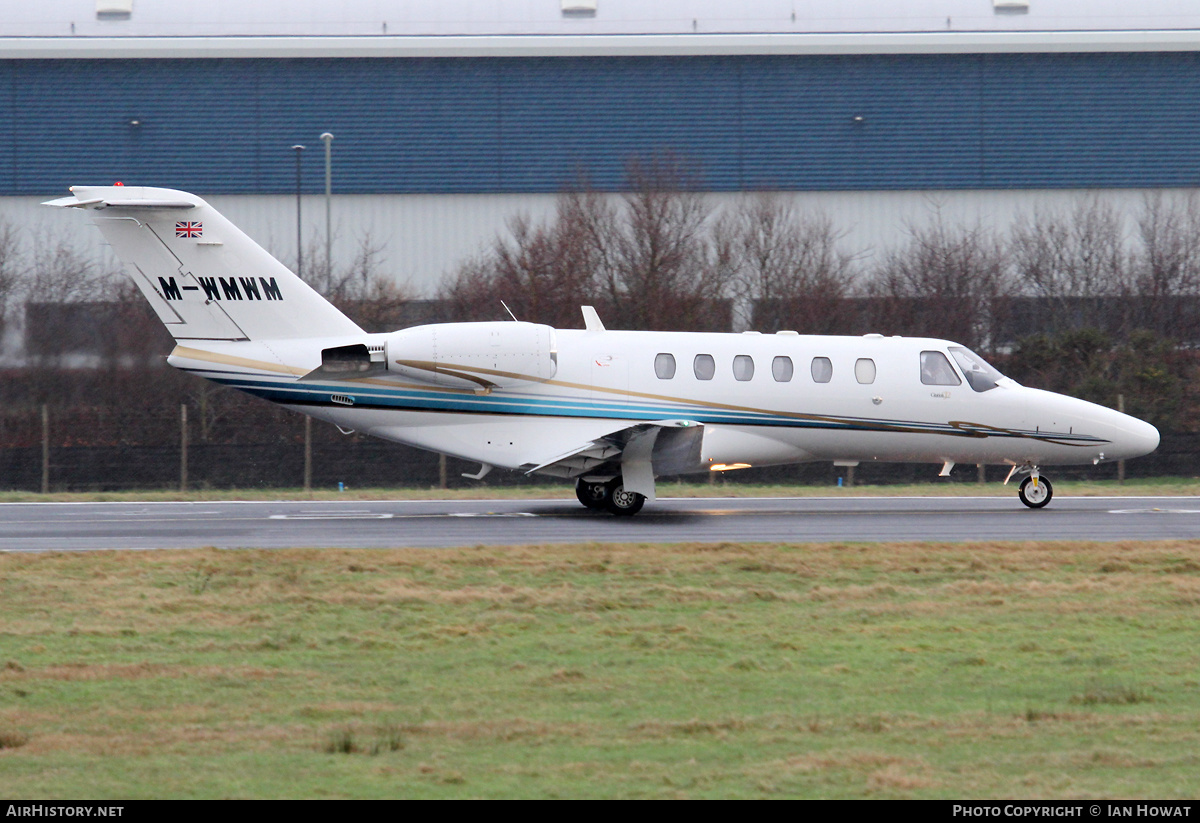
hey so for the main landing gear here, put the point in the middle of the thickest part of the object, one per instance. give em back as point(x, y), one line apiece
point(1035, 491)
point(610, 497)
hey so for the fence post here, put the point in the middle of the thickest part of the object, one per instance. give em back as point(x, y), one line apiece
point(307, 453)
point(183, 447)
point(1121, 463)
point(441, 471)
point(982, 476)
point(45, 449)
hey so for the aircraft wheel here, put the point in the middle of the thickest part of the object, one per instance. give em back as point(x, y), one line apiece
point(623, 503)
point(1035, 497)
point(592, 495)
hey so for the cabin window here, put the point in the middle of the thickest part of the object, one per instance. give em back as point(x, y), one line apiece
point(743, 367)
point(864, 370)
point(704, 366)
point(937, 371)
point(664, 366)
point(822, 369)
point(981, 376)
point(781, 369)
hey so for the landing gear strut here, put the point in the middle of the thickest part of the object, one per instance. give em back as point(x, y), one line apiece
point(611, 497)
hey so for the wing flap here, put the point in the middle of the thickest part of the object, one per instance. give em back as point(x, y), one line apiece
point(637, 452)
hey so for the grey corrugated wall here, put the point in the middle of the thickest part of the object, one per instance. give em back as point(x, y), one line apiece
point(443, 125)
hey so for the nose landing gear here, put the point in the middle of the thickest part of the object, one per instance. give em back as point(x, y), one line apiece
point(1035, 492)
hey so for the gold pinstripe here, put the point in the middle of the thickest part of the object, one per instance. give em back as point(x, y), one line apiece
point(963, 427)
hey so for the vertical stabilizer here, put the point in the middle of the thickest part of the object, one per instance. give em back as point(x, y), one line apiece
point(204, 278)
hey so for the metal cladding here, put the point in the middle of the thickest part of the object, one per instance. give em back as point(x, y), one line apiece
point(513, 124)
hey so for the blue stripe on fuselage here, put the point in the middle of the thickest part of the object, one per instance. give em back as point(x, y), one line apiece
point(317, 394)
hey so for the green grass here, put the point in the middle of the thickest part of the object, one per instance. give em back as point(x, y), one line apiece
point(1166, 486)
point(1014, 670)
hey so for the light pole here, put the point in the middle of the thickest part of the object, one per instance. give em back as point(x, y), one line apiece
point(327, 138)
point(300, 273)
point(299, 248)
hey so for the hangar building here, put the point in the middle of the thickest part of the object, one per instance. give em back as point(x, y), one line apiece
point(450, 118)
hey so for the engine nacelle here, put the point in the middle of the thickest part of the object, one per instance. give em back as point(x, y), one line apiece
point(479, 356)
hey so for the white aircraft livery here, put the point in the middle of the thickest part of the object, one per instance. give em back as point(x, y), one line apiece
point(611, 410)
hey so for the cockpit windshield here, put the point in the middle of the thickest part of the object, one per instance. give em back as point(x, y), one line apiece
point(980, 375)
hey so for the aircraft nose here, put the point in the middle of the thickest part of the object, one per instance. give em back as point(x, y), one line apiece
point(1134, 437)
point(1143, 437)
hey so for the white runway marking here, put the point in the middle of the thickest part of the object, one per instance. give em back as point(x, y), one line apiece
point(1154, 511)
point(332, 516)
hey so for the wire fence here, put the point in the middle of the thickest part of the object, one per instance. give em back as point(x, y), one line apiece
point(360, 462)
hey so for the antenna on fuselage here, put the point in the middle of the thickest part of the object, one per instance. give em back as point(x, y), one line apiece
point(507, 309)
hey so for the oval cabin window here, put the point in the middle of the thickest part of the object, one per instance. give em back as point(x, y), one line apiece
point(664, 366)
point(781, 369)
point(864, 370)
point(822, 369)
point(743, 367)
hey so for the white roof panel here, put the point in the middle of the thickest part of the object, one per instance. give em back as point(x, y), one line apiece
point(363, 18)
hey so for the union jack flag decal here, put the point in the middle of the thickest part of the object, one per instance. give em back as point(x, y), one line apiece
point(189, 229)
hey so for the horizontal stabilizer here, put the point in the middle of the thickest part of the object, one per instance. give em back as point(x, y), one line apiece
point(74, 202)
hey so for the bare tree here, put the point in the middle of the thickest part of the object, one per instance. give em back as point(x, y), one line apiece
point(471, 293)
point(789, 265)
point(1075, 261)
point(11, 266)
point(644, 259)
point(946, 281)
point(361, 288)
point(542, 272)
point(657, 267)
point(60, 273)
point(69, 299)
point(1163, 287)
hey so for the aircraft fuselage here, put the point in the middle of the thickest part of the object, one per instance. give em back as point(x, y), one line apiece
point(760, 399)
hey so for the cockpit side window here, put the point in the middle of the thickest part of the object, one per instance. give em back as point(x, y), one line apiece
point(937, 371)
point(981, 376)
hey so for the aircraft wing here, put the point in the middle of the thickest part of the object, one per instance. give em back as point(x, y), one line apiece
point(637, 453)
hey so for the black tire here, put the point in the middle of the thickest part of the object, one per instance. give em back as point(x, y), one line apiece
point(592, 495)
point(621, 502)
point(1035, 498)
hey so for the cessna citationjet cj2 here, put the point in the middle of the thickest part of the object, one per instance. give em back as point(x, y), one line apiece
point(611, 410)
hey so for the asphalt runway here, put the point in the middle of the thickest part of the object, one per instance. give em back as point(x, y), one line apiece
point(44, 527)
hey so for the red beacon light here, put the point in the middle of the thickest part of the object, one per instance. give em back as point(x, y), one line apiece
point(118, 183)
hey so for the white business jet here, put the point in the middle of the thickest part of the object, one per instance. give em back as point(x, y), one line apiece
point(611, 410)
